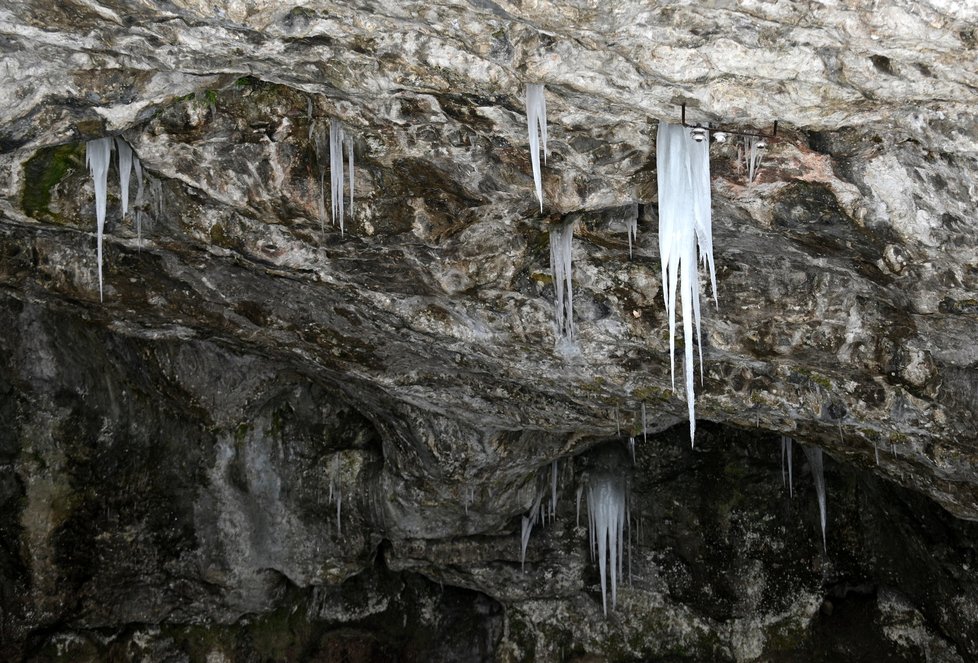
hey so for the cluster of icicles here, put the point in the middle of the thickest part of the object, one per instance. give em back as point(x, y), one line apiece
point(685, 234)
point(609, 514)
point(98, 156)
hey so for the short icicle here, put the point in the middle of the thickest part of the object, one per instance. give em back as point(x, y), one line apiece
point(561, 245)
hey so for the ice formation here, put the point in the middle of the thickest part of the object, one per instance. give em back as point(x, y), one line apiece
point(561, 242)
point(334, 489)
point(138, 168)
point(553, 489)
point(685, 222)
point(536, 125)
point(786, 454)
point(606, 527)
point(631, 227)
point(752, 156)
point(527, 527)
point(814, 455)
point(97, 155)
point(125, 169)
point(645, 426)
point(337, 136)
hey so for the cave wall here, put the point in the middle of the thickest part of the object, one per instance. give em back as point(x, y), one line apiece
point(171, 457)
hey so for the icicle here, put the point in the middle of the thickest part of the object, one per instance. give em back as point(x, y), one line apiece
point(339, 501)
point(791, 479)
point(631, 228)
point(138, 168)
point(561, 243)
point(876, 450)
point(334, 488)
point(349, 152)
point(580, 490)
point(536, 125)
point(617, 422)
point(685, 221)
point(528, 521)
point(631, 448)
point(606, 500)
point(784, 448)
point(97, 155)
point(553, 487)
point(125, 168)
point(645, 426)
point(336, 171)
point(815, 462)
point(752, 156)
point(312, 124)
point(628, 522)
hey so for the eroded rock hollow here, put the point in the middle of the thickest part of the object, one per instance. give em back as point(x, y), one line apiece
point(273, 440)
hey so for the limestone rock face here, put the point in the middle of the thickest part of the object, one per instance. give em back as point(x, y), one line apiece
point(267, 417)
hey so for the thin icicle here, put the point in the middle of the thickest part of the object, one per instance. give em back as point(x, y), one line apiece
point(336, 171)
point(349, 152)
point(685, 222)
point(580, 490)
point(137, 166)
point(553, 487)
point(528, 521)
point(645, 426)
point(125, 169)
point(631, 448)
point(617, 422)
point(791, 478)
point(312, 123)
point(97, 155)
point(561, 244)
point(814, 455)
point(876, 450)
point(536, 125)
point(631, 228)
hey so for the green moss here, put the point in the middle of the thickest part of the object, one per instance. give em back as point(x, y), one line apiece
point(651, 394)
point(219, 237)
point(45, 170)
point(820, 380)
point(898, 438)
point(240, 432)
point(541, 278)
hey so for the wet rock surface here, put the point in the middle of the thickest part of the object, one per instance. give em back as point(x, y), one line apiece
point(265, 411)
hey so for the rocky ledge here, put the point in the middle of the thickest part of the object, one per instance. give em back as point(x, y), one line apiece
point(275, 440)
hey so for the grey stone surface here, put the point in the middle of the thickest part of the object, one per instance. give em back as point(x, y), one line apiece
point(167, 455)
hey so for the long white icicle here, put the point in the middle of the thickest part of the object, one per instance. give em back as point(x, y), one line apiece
point(536, 125)
point(606, 511)
point(336, 138)
point(97, 155)
point(137, 166)
point(561, 244)
point(685, 223)
point(125, 169)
